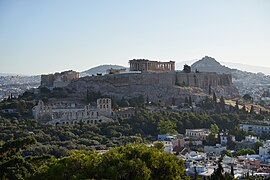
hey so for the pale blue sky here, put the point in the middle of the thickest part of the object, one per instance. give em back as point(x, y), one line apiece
point(55, 35)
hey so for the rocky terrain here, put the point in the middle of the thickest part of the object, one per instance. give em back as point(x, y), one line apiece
point(167, 87)
point(158, 92)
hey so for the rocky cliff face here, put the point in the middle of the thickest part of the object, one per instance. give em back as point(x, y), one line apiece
point(154, 86)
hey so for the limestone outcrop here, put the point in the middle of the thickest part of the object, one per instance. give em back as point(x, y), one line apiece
point(168, 87)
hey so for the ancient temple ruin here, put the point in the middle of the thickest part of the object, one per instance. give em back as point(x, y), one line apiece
point(146, 65)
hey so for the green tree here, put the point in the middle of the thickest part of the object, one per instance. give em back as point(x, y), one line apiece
point(236, 107)
point(77, 165)
point(159, 145)
point(245, 151)
point(232, 171)
point(189, 101)
point(214, 129)
point(12, 164)
point(214, 97)
point(211, 140)
point(186, 101)
point(222, 104)
point(166, 126)
point(257, 145)
point(247, 97)
point(251, 109)
point(227, 152)
point(244, 111)
point(133, 161)
point(136, 161)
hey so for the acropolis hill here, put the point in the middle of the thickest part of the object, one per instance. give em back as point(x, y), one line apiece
point(157, 81)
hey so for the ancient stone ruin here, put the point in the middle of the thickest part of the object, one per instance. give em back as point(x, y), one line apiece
point(145, 65)
point(156, 81)
point(58, 79)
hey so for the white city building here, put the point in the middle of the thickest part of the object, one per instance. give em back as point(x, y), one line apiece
point(200, 134)
point(258, 129)
point(217, 149)
point(265, 150)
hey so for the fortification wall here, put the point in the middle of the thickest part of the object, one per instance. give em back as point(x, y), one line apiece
point(58, 79)
point(134, 79)
point(47, 80)
point(203, 80)
point(156, 86)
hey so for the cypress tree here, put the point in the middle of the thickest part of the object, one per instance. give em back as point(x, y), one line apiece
point(232, 170)
point(236, 108)
point(251, 109)
point(189, 101)
point(214, 97)
point(222, 104)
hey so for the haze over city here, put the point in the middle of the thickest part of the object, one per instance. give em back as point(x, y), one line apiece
point(47, 36)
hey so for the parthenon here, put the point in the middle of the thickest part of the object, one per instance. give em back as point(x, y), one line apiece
point(145, 65)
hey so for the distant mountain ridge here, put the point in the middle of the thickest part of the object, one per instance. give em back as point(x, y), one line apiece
point(14, 74)
point(248, 68)
point(100, 69)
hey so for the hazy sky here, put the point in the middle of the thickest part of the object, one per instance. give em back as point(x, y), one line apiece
point(55, 35)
